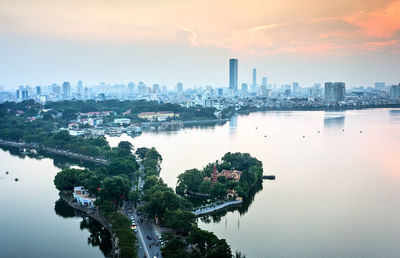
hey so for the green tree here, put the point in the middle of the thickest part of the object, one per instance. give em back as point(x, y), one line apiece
point(179, 220)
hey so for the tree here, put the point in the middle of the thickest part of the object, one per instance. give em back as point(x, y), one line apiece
point(179, 220)
point(67, 179)
point(190, 180)
point(115, 189)
point(125, 145)
point(141, 152)
point(134, 196)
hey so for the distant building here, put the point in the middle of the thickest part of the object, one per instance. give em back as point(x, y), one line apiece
point(160, 116)
point(295, 87)
point(335, 91)
point(56, 89)
point(254, 81)
point(122, 121)
point(244, 88)
point(38, 90)
point(22, 94)
point(264, 81)
point(395, 92)
point(380, 85)
point(66, 90)
point(179, 87)
point(131, 87)
point(233, 75)
point(156, 88)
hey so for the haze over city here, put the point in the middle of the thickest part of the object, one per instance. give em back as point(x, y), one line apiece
point(307, 41)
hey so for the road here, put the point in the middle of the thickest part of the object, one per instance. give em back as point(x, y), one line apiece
point(146, 235)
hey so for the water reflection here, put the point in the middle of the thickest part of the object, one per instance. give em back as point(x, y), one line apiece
point(99, 236)
point(395, 115)
point(60, 162)
point(242, 209)
point(334, 122)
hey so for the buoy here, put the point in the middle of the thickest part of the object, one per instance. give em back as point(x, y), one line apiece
point(16, 179)
point(7, 172)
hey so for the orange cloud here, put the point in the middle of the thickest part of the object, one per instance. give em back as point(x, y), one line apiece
point(382, 23)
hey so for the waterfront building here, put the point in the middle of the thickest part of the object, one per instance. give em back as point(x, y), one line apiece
point(81, 195)
point(335, 91)
point(233, 75)
point(122, 121)
point(395, 92)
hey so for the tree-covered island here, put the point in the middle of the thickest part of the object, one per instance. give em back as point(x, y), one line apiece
point(229, 179)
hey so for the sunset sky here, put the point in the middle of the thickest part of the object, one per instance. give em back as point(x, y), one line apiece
point(160, 41)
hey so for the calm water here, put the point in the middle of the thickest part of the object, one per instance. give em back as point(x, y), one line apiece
point(32, 222)
point(337, 192)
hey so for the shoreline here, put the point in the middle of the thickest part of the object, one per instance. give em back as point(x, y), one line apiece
point(68, 154)
point(96, 217)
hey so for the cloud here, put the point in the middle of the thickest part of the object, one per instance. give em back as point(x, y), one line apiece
point(186, 37)
point(381, 23)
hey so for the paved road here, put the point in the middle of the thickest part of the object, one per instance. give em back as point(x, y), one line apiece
point(147, 238)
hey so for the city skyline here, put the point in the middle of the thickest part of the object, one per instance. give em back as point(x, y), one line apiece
point(307, 41)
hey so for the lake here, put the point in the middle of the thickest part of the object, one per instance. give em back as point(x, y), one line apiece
point(336, 192)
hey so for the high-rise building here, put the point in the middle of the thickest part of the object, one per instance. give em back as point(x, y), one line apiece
point(66, 90)
point(38, 90)
point(254, 81)
point(395, 92)
point(179, 87)
point(335, 91)
point(156, 88)
point(79, 87)
point(244, 88)
point(379, 85)
point(131, 87)
point(22, 94)
point(56, 89)
point(295, 87)
point(264, 81)
point(233, 74)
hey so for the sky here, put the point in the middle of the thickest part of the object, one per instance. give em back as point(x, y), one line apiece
point(167, 41)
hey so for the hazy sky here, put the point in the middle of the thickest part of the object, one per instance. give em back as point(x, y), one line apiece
point(166, 41)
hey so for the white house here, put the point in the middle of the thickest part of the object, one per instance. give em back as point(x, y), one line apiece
point(81, 195)
point(122, 121)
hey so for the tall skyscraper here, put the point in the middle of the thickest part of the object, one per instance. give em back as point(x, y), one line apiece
point(254, 82)
point(335, 91)
point(66, 90)
point(79, 86)
point(233, 74)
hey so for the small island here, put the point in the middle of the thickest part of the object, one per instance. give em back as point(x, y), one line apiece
point(220, 184)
